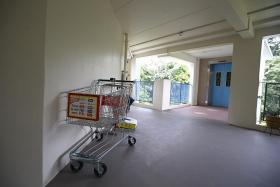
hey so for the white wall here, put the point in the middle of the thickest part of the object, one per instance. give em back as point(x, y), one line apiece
point(245, 68)
point(158, 94)
point(83, 43)
point(166, 86)
point(194, 95)
point(133, 70)
point(22, 29)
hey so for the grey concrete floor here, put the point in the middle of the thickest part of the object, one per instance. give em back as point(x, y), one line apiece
point(183, 147)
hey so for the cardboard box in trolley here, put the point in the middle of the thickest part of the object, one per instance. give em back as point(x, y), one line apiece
point(128, 123)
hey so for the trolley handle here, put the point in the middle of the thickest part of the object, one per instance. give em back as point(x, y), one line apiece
point(114, 80)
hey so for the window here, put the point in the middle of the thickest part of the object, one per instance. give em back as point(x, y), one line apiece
point(218, 78)
point(228, 79)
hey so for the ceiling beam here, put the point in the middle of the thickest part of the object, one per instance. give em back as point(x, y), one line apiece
point(184, 41)
point(234, 11)
point(184, 56)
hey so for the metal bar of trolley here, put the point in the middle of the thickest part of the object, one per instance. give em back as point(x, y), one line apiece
point(110, 97)
point(114, 80)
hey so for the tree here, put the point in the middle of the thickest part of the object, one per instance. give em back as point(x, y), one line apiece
point(272, 95)
point(181, 74)
point(272, 70)
point(273, 43)
point(153, 70)
point(173, 71)
point(146, 74)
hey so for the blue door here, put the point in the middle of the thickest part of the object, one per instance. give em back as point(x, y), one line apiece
point(220, 82)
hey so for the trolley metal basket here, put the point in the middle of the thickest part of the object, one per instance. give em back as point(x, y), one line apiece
point(101, 107)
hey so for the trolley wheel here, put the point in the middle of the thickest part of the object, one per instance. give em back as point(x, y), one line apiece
point(99, 136)
point(112, 130)
point(76, 166)
point(131, 140)
point(100, 170)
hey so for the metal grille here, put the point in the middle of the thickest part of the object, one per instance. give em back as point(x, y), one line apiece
point(179, 93)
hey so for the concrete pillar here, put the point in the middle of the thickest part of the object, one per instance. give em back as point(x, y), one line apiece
point(165, 94)
point(157, 94)
point(162, 94)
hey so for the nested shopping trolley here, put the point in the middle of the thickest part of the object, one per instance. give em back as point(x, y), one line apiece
point(101, 107)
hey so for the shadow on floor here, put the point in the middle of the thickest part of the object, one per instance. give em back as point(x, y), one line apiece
point(184, 147)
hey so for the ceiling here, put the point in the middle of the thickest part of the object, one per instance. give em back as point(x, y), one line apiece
point(153, 24)
point(211, 52)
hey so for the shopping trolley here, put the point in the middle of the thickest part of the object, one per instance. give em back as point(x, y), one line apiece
point(100, 107)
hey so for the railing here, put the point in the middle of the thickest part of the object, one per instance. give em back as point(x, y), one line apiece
point(179, 93)
point(270, 100)
point(144, 91)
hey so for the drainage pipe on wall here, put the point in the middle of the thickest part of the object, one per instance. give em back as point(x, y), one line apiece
point(124, 71)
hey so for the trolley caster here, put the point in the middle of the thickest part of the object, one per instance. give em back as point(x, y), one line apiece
point(112, 130)
point(131, 140)
point(100, 170)
point(76, 166)
point(99, 136)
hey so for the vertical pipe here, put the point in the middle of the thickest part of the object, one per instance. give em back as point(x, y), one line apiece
point(124, 72)
point(170, 101)
point(265, 97)
point(180, 93)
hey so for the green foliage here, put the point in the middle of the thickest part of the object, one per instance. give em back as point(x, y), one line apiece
point(153, 70)
point(273, 43)
point(272, 70)
point(171, 70)
point(146, 92)
point(272, 75)
point(181, 74)
point(146, 74)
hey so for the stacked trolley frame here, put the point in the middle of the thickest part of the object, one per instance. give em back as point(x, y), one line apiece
point(101, 107)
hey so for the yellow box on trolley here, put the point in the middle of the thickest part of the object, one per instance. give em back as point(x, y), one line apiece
point(128, 123)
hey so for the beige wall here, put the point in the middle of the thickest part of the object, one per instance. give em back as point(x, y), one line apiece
point(48, 47)
point(22, 29)
point(204, 78)
point(245, 79)
point(83, 43)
